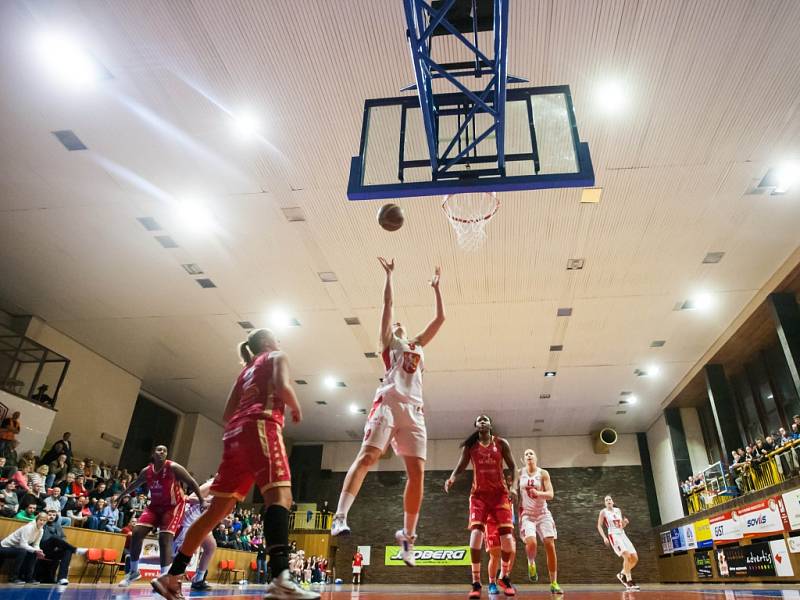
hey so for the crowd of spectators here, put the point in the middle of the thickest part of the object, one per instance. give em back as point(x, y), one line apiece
point(743, 459)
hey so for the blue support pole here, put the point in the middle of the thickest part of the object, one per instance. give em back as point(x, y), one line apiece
point(501, 57)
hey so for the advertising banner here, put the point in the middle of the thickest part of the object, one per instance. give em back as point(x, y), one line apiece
point(689, 536)
point(725, 527)
point(754, 560)
point(780, 554)
point(766, 517)
point(702, 564)
point(430, 556)
point(702, 532)
point(791, 502)
point(666, 542)
point(150, 561)
point(678, 541)
point(794, 544)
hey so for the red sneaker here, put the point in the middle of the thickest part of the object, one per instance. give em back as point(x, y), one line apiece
point(476, 591)
point(505, 584)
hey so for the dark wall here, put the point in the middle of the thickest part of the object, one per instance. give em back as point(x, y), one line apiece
point(150, 425)
point(378, 513)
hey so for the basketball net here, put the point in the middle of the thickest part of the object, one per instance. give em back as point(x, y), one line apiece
point(469, 214)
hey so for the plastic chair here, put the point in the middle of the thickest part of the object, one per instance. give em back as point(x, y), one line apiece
point(236, 574)
point(94, 556)
point(253, 569)
point(110, 559)
point(224, 573)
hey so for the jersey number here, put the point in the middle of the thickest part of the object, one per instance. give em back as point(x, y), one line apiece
point(410, 362)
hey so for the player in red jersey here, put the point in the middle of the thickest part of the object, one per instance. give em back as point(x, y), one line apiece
point(253, 452)
point(397, 417)
point(165, 510)
point(489, 498)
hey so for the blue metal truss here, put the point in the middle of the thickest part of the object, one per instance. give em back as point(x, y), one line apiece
point(423, 22)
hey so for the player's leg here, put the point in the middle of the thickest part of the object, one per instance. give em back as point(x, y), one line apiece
point(208, 547)
point(377, 433)
point(507, 552)
point(165, 539)
point(475, 543)
point(137, 539)
point(491, 542)
point(410, 440)
point(552, 560)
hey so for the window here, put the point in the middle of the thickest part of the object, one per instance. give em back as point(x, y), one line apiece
point(747, 407)
point(779, 371)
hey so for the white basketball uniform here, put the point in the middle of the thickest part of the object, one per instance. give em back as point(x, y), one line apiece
point(535, 517)
point(397, 416)
point(191, 513)
point(616, 532)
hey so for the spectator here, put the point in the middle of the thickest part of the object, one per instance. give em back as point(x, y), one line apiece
point(21, 477)
point(769, 444)
point(783, 437)
point(220, 536)
point(56, 548)
point(138, 504)
point(9, 429)
point(76, 487)
point(261, 561)
point(77, 509)
point(58, 470)
point(111, 515)
point(9, 501)
point(125, 510)
point(34, 496)
point(39, 476)
point(78, 468)
point(53, 502)
point(41, 395)
point(23, 546)
point(62, 446)
point(99, 491)
point(795, 431)
point(10, 454)
point(29, 514)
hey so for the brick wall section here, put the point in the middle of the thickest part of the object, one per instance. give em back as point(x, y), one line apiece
point(378, 513)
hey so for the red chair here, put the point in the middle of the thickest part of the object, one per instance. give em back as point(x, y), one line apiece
point(224, 573)
point(94, 556)
point(110, 559)
point(236, 574)
point(253, 569)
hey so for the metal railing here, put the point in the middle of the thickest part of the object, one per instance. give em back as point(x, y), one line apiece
point(774, 468)
point(310, 520)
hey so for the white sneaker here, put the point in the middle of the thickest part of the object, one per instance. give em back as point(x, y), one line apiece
point(406, 547)
point(63, 581)
point(283, 588)
point(339, 526)
point(130, 578)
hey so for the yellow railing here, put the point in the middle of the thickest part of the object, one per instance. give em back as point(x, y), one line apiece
point(310, 520)
point(778, 466)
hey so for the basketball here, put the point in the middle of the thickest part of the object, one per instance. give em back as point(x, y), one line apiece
point(390, 217)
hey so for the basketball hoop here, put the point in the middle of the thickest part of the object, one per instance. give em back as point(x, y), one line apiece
point(469, 214)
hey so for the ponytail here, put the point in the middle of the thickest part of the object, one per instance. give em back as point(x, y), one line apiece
point(245, 354)
point(257, 342)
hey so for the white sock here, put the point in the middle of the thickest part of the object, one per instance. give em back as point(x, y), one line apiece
point(165, 569)
point(345, 502)
point(134, 566)
point(81, 551)
point(410, 523)
point(198, 577)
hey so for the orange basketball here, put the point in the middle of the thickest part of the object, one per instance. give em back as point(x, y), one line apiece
point(390, 217)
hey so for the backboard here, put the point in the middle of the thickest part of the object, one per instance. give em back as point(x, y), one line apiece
point(542, 147)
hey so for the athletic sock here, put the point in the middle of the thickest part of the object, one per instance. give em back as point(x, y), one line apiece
point(345, 502)
point(165, 569)
point(476, 572)
point(179, 564)
point(134, 566)
point(199, 576)
point(276, 530)
point(410, 524)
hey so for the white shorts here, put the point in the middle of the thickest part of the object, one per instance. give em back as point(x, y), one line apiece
point(356, 570)
point(543, 525)
point(393, 419)
point(620, 543)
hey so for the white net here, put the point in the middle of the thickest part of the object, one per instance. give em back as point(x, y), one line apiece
point(469, 214)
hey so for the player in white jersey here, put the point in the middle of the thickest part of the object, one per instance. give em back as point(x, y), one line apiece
point(194, 508)
point(535, 489)
point(617, 539)
point(396, 417)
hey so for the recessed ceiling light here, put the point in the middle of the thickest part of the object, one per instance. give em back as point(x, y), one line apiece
point(193, 216)
point(69, 140)
point(246, 325)
point(713, 258)
point(330, 382)
point(575, 264)
point(294, 214)
point(650, 371)
point(591, 195)
point(322, 402)
point(280, 319)
point(328, 276)
point(352, 320)
point(549, 373)
point(564, 312)
point(371, 354)
point(246, 124)
point(149, 223)
point(353, 409)
point(786, 175)
point(301, 382)
point(632, 399)
point(622, 412)
point(657, 343)
point(625, 393)
point(544, 396)
point(611, 97)
point(166, 241)
point(67, 61)
point(556, 348)
point(536, 430)
point(205, 282)
point(192, 268)
point(538, 420)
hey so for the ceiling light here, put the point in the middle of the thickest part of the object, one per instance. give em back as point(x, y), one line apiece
point(786, 175)
point(193, 216)
point(246, 125)
point(330, 382)
point(66, 60)
point(591, 195)
point(702, 301)
point(353, 409)
point(280, 319)
point(549, 373)
point(653, 371)
point(575, 264)
point(631, 399)
point(611, 97)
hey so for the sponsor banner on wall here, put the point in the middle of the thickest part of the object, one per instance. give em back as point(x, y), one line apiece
point(702, 564)
point(150, 561)
point(791, 502)
point(780, 555)
point(702, 532)
point(724, 528)
point(678, 541)
point(689, 536)
point(794, 544)
point(430, 556)
point(666, 542)
point(754, 560)
point(766, 517)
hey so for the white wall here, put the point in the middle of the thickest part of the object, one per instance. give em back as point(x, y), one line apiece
point(97, 396)
point(35, 422)
point(694, 439)
point(199, 446)
point(664, 473)
point(556, 451)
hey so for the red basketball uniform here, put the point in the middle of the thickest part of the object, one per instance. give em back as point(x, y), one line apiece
point(253, 450)
point(165, 511)
point(489, 495)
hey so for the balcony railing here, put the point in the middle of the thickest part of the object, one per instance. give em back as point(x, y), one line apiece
point(776, 467)
point(310, 520)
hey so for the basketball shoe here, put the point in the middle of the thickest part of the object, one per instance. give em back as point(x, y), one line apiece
point(406, 547)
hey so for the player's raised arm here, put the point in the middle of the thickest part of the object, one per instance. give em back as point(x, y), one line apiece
point(460, 468)
point(283, 386)
point(385, 332)
point(427, 334)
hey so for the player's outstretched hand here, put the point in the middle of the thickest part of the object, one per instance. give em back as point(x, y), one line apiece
point(448, 484)
point(297, 415)
point(388, 265)
point(436, 275)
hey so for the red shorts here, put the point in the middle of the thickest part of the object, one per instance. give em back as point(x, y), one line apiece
point(495, 506)
point(253, 452)
point(492, 536)
point(166, 519)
